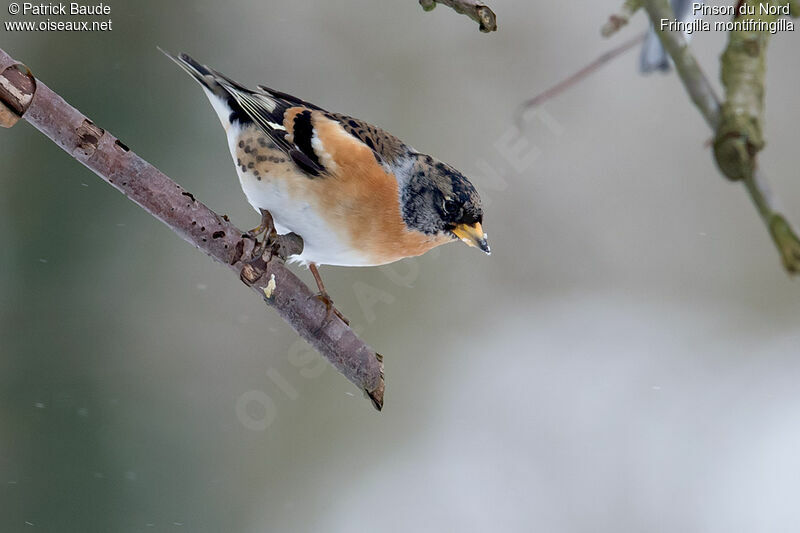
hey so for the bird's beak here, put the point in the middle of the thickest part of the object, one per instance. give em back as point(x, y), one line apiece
point(473, 235)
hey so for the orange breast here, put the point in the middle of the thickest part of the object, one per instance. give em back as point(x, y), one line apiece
point(362, 197)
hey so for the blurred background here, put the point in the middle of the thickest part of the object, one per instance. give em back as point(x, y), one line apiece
point(626, 360)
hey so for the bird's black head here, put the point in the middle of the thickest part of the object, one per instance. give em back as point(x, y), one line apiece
point(438, 200)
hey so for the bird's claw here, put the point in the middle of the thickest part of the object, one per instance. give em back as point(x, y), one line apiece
point(331, 310)
point(265, 228)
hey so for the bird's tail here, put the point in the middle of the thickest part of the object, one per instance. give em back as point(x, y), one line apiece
point(203, 75)
point(225, 94)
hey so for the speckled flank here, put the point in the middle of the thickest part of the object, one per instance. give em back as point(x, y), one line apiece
point(258, 157)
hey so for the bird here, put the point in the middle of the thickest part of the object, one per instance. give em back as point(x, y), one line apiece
point(356, 194)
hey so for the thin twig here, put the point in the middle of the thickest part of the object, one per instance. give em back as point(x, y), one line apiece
point(780, 229)
point(618, 20)
point(563, 85)
point(707, 102)
point(480, 13)
point(161, 197)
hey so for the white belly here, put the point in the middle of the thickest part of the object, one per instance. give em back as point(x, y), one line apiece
point(321, 245)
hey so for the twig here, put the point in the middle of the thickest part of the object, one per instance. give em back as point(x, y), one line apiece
point(707, 102)
point(480, 13)
point(145, 185)
point(618, 20)
point(563, 85)
point(780, 229)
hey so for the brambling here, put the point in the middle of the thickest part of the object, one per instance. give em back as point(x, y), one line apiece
point(357, 195)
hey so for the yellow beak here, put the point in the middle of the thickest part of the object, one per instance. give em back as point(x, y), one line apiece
point(473, 236)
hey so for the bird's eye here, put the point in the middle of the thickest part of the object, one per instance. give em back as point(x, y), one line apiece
point(450, 206)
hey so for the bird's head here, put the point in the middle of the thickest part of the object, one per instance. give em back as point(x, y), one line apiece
point(438, 200)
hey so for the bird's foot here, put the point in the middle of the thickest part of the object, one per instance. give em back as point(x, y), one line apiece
point(265, 230)
point(326, 299)
point(323, 295)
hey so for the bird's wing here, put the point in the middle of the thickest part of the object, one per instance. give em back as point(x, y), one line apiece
point(294, 125)
point(270, 114)
point(328, 143)
point(386, 146)
point(252, 107)
point(388, 149)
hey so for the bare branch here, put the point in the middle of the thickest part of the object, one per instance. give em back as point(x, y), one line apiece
point(145, 185)
point(480, 13)
point(565, 84)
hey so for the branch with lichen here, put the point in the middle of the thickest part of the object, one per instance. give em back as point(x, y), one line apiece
point(23, 96)
point(739, 135)
point(480, 13)
point(751, 85)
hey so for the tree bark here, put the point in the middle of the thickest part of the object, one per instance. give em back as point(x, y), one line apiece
point(480, 13)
